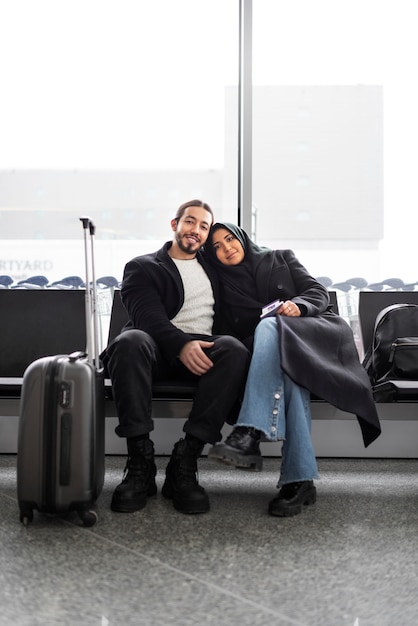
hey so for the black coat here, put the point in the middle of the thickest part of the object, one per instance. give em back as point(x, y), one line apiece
point(317, 350)
point(152, 293)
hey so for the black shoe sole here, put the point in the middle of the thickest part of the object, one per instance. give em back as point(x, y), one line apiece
point(190, 509)
point(279, 509)
point(185, 506)
point(130, 506)
point(125, 507)
point(231, 457)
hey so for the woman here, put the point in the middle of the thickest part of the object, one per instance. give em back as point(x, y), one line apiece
point(302, 349)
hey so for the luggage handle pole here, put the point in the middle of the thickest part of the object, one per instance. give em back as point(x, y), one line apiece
point(93, 307)
point(86, 223)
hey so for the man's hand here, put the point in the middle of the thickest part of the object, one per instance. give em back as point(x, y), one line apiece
point(193, 357)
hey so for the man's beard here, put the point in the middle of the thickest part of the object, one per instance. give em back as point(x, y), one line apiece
point(188, 248)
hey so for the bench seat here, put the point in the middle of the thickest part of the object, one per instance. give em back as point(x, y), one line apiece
point(28, 318)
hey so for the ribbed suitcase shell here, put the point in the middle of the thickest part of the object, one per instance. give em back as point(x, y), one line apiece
point(60, 465)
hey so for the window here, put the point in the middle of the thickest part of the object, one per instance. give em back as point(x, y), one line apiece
point(335, 129)
point(111, 109)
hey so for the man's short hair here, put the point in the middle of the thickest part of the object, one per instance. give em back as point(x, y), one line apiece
point(183, 207)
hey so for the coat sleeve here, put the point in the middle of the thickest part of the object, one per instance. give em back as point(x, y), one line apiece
point(151, 298)
point(304, 290)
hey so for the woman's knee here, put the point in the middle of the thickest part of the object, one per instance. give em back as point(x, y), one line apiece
point(266, 333)
point(267, 326)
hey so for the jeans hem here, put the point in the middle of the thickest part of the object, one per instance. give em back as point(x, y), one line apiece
point(257, 427)
point(282, 481)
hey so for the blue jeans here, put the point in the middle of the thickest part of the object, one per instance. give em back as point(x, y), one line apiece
point(278, 407)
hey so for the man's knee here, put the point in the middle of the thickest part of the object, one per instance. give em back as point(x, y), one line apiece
point(234, 348)
point(130, 345)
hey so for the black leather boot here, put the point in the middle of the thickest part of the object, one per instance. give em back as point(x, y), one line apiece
point(181, 484)
point(241, 448)
point(138, 479)
point(292, 497)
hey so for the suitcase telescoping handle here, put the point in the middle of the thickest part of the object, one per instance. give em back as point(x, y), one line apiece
point(92, 327)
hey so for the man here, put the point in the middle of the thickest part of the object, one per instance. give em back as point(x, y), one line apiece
point(171, 298)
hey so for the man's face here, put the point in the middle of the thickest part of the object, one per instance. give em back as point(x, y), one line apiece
point(192, 229)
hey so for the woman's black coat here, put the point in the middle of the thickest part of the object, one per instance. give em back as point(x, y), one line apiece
point(317, 350)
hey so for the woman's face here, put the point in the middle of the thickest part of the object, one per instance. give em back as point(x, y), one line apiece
point(227, 247)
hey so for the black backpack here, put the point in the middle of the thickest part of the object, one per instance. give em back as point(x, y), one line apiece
point(393, 353)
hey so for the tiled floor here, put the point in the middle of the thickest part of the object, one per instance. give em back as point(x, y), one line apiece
point(349, 560)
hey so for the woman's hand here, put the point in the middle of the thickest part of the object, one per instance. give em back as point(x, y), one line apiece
point(289, 309)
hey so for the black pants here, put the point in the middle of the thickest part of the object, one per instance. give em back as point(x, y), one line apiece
point(133, 362)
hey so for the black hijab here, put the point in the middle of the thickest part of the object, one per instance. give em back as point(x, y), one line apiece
point(243, 292)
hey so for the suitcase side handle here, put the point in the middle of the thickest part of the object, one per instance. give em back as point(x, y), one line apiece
point(77, 355)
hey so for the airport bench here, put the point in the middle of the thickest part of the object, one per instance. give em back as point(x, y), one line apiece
point(35, 323)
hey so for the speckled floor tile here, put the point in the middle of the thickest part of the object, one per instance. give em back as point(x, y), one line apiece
point(348, 560)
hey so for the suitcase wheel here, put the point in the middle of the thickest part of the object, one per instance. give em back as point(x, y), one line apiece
point(26, 516)
point(89, 517)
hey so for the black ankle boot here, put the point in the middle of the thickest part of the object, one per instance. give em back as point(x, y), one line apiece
point(181, 484)
point(241, 449)
point(138, 479)
point(292, 497)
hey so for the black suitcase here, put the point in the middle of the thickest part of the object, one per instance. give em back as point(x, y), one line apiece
point(60, 460)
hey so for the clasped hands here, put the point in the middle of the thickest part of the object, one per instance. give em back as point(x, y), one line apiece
point(193, 356)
